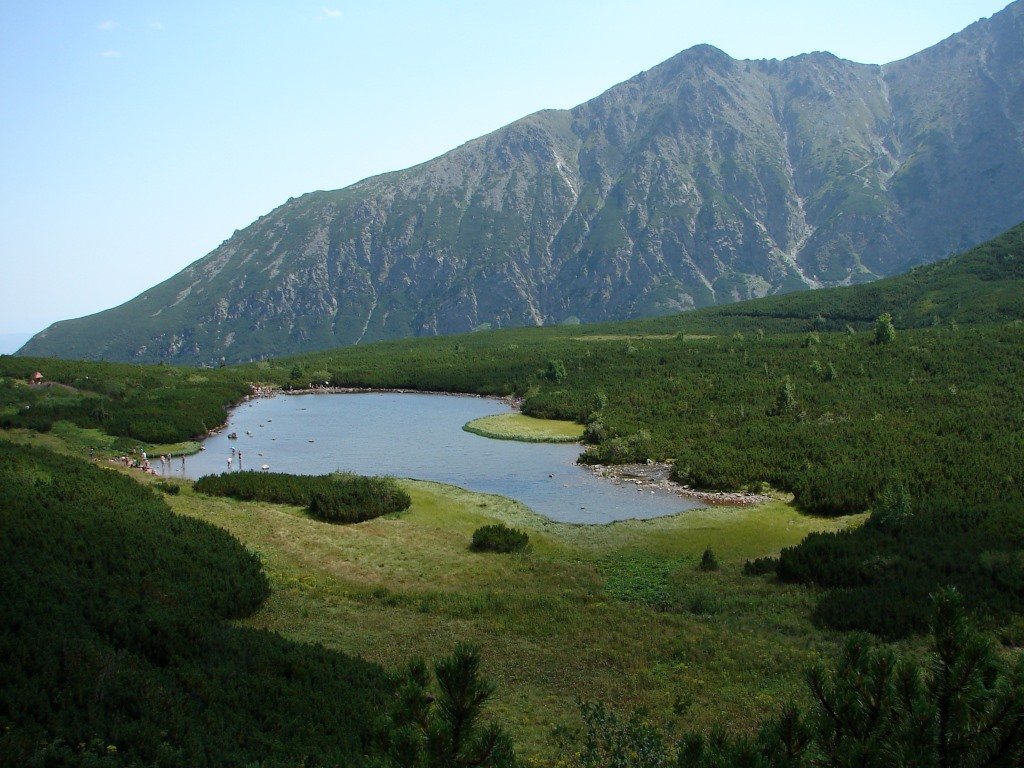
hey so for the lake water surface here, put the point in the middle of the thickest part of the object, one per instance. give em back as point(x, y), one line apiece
point(421, 436)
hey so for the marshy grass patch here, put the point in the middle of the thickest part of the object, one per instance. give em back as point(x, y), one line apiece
point(516, 426)
point(183, 448)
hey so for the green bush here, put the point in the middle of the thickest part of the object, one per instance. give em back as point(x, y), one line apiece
point(708, 561)
point(354, 499)
point(760, 566)
point(337, 498)
point(498, 538)
point(555, 371)
point(330, 508)
point(885, 331)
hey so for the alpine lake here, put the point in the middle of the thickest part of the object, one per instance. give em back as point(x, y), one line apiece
point(420, 436)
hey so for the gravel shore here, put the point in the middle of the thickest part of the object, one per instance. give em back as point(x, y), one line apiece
point(656, 477)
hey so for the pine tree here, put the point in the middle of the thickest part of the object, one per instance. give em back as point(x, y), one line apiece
point(446, 731)
point(708, 561)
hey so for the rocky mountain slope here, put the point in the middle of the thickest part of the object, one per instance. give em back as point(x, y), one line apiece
point(702, 181)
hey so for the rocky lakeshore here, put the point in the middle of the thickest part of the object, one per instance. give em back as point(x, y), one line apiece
point(657, 476)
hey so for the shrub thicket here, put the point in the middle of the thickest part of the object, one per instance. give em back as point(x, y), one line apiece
point(879, 576)
point(760, 566)
point(355, 499)
point(498, 538)
point(172, 489)
point(155, 404)
point(336, 498)
point(115, 644)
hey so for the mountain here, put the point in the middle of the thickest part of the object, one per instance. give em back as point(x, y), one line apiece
point(703, 181)
point(982, 285)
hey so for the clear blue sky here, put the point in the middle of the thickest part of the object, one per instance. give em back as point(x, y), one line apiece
point(136, 136)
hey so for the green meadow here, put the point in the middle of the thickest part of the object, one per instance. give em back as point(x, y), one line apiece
point(617, 613)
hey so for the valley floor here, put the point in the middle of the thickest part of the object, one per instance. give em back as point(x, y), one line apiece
point(618, 613)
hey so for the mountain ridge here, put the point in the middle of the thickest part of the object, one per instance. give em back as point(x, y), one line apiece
point(703, 180)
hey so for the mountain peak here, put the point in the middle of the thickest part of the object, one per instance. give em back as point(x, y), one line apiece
point(704, 180)
point(697, 56)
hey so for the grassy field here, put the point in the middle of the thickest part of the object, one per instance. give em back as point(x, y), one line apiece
point(516, 426)
point(618, 613)
point(80, 441)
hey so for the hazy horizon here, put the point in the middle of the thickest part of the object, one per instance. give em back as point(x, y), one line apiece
point(12, 342)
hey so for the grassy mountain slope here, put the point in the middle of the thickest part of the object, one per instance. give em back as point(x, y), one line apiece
point(702, 181)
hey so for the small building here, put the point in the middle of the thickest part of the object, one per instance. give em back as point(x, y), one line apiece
point(36, 378)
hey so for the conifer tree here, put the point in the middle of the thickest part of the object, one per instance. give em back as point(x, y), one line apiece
point(446, 730)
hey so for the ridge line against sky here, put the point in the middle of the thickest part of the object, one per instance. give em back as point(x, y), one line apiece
point(137, 136)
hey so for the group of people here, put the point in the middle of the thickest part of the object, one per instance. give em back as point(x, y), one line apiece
point(256, 391)
point(231, 458)
point(141, 461)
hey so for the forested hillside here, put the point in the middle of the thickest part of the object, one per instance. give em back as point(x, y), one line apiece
point(116, 647)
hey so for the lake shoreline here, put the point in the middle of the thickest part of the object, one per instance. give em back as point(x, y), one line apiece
point(513, 401)
point(394, 432)
point(655, 476)
point(652, 476)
